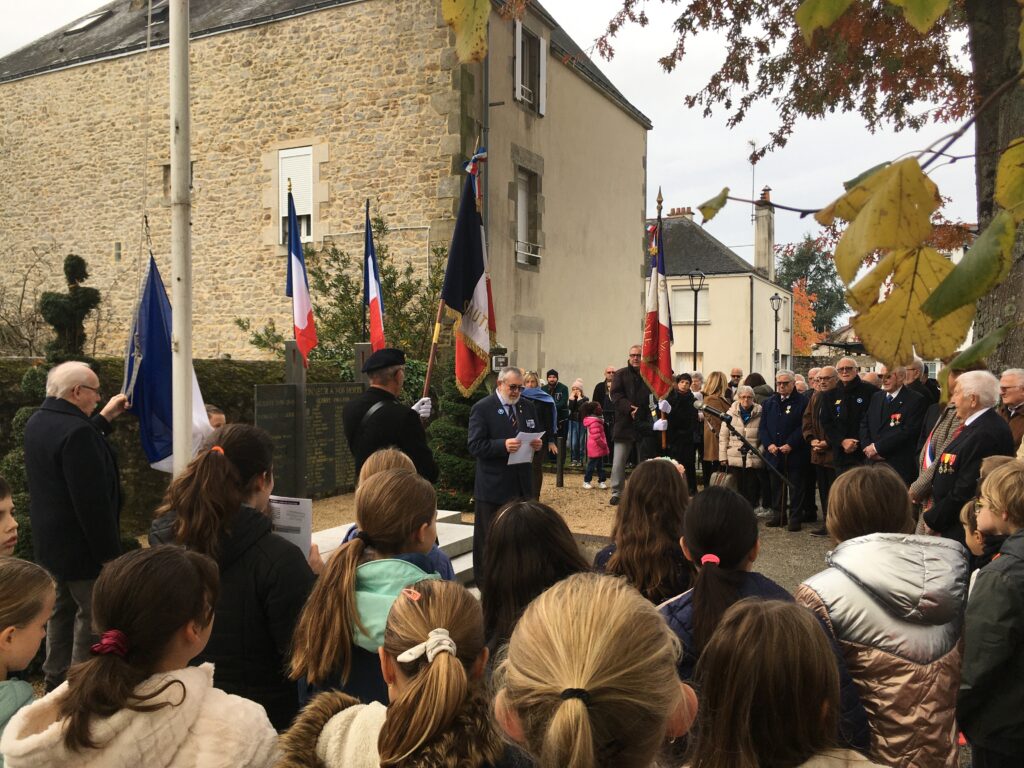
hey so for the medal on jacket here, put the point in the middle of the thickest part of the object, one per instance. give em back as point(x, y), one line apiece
point(839, 405)
point(947, 463)
point(789, 408)
point(894, 419)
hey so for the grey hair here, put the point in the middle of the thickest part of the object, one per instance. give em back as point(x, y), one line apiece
point(982, 384)
point(63, 378)
point(1018, 372)
point(786, 372)
point(696, 375)
point(506, 371)
point(384, 375)
point(743, 389)
point(917, 364)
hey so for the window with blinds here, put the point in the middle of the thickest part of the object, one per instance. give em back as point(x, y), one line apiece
point(296, 164)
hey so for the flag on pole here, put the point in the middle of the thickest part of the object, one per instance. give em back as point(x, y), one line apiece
point(467, 286)
point(371, 288)
point(148, 376)
point(656, 354)
point(297, 287)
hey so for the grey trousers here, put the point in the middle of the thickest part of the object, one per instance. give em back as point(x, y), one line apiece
point(621, 455)
point(69, 631)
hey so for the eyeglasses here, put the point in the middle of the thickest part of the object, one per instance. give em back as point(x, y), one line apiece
point(783, 383)
point(515, 387)
point(97, 390)
point(845, 368)
point(1007, 389)
point(825, 378)
point(610, 370)
point(637, 354)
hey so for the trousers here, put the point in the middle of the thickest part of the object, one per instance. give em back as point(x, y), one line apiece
point(69, 630)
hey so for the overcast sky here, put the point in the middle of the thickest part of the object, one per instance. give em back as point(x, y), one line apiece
point(690, 157)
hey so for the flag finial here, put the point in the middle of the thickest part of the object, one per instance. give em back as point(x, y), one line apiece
point(289, 185)
point(660, 201)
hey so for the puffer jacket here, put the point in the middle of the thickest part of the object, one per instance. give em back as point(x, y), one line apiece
point(730, 448)
point(895, 603)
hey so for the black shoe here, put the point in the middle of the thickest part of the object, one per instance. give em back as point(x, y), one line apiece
point(775, 522)
point(822, 532)
point(614, 500)
point(809, 517)
point(794, 524)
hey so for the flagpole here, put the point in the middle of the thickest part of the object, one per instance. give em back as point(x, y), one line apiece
point(366, 276)
point(664, 435)
point(433, 348)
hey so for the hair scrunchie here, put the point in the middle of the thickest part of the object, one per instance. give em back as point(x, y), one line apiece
point(364, 537)
point(709, 558)
point(113, 641)
point(217, 449)
point(438, 641)
point(576, 693)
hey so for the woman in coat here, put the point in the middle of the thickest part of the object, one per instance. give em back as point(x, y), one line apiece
point(714, 396)
point(739, 459)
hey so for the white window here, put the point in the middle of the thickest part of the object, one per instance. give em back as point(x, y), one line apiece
point(296, 165)
point(681, 304)
point(527, 249)
point(531, 60)
point(684, 362)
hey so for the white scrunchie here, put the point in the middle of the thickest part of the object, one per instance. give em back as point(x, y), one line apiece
point(437, 641)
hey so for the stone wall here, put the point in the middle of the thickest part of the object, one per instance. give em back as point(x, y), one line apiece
point(371, 86)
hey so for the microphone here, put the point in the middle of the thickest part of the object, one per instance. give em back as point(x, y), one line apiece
point(700, 406)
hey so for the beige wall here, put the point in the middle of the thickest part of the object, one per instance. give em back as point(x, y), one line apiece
point(733, 335)
point(368, 85)
point(582, 307)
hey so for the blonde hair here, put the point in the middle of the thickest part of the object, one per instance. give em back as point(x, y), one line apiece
point(715, 384)
point(1004, 491)
point(442, 716)
point(390, 507)
point(528, 375)
point(596, 637)
point(990, 464)
point(385, 458)
point(24, 587)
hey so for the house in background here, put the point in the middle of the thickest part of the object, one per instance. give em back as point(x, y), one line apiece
point(350, 99)
point(736, 323)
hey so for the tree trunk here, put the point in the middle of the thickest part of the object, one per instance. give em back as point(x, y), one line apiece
point(993, 29)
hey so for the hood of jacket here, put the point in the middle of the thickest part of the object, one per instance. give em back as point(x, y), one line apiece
point(350, 737)
point(918, 579)
point(244, 529)
point(378, 583)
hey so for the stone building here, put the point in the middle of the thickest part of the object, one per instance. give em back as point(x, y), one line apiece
point(351, 99)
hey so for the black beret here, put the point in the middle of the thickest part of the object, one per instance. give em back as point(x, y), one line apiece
point(552, 372)
point(384, 358)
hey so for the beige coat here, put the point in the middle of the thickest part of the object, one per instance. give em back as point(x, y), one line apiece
point(729, 446)
point(712, 425)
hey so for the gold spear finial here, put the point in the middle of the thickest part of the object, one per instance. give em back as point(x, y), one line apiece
point(289, 185)
point(660, 201)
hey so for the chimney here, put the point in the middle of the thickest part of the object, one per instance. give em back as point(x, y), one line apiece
point(764, 235)
point(680, 213)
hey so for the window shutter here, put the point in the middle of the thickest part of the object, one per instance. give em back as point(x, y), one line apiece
point(542, 85)
point(517, 91)
point(296, 164)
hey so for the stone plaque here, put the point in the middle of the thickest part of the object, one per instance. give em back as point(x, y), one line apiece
point(276, 413)
point(329, 466)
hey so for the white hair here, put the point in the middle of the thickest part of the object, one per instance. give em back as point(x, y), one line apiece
point(743, 389)
point(1018, 372)
point(917, 364)
point(982, 384)
point(786, 372)
point(508, 370)
point(696, 375)
point(64, 377)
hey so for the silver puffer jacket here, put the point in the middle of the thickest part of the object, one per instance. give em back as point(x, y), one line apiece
point(895, 603)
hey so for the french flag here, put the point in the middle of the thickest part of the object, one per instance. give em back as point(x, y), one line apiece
point(371, 288)
point(656, 353)
point(298, 287)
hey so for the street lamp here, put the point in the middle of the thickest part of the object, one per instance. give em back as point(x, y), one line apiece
point(697, 279)
point(776, 302)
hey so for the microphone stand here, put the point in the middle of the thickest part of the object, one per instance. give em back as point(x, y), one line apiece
point(761, 453)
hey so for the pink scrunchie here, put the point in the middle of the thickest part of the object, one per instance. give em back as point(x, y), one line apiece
point(112, 641)
point(710, 559)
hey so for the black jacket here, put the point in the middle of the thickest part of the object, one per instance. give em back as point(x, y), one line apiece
point(74, 490)
point(391, 424)
point(842, 420)
point(929, 391)
point(990, 706)
point(682, 419)
point(782, 423)
point(489, 427)
point(894, 429)
point(628, 390)
point(264, 582)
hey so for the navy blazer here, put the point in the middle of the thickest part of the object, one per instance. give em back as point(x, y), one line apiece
point(842, 420)
point(783, 424)
point(489, 427)
point(894, 428)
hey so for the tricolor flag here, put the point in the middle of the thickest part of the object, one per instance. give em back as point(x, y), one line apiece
point(371, 288)
point(656, 360)
point(467, 286)
point(298, 287)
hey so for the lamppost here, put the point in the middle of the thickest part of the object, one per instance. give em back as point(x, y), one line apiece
point(697, 279)
point(776, 302)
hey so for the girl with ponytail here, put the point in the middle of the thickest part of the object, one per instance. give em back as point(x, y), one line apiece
point(219, 506)
point(589, 678)
point(342, 624)
point(432, 658)
point(136, 702)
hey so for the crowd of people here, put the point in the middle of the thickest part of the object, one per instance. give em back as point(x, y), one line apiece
point(221, 644)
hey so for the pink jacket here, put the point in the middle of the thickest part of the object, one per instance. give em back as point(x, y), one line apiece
point(597, 442)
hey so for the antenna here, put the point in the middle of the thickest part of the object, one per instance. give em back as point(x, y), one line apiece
point(753, 168)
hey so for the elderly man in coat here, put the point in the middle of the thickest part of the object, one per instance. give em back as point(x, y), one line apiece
point(781, 435)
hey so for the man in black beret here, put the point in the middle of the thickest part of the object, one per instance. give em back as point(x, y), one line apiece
point(376, 419)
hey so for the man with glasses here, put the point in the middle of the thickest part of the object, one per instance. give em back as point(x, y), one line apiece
point(781, 436)
point(842, 419)
point(916, 380)
point(633, 424)
point(892, 425)
point(603, 396)
point(1011, 393)
point(494, 423)
point(74, 504)
point(824, 381)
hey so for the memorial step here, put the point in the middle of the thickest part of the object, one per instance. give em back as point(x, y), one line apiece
point(463, 565)
point(455, 539)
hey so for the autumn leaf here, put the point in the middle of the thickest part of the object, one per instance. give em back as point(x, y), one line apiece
point(1010, 177)
point(891, 329)
point(709, 208)
point(857, 180)
point(858, 192)
point(922, 14)
point(896, 214)
point(983, 267)
point(813, 14)
point(469, 20)
point(804, 335)
point(867, 290)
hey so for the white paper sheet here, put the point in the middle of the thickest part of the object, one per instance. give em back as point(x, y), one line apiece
point(293, 520)
point(525, 453)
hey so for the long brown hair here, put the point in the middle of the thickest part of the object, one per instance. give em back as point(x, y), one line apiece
point(210, 491)
point(390, 507)
point(148, 595)
point(24, 588)
point(648, 524)
point(868, 499)
point(745, 688)
point(442, 717)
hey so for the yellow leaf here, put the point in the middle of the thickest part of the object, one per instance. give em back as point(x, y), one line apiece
point(1010, 178)
point(983, 267)
point(896, 214)
point(469, 20)
point(709, 208)
point(858, 191)
point(892, 329)
point(866, 291)
point(922, 14)
point(813, 14)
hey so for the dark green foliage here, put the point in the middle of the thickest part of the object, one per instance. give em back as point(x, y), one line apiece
point(33, 383)
point(23, 548)
point(66, 311)
point(809, 259)
point(18, 423)
point(448, 435)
